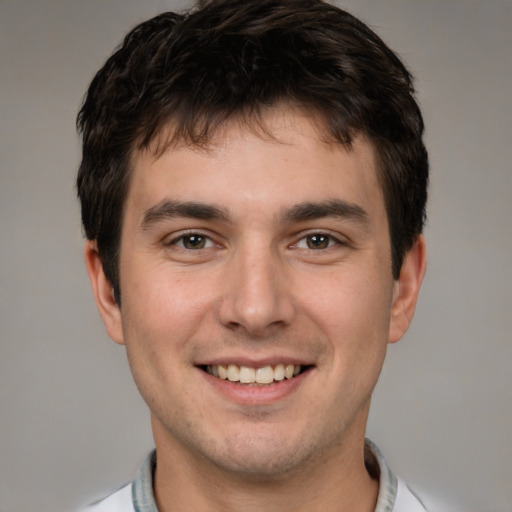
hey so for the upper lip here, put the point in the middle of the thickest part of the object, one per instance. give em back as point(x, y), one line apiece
point(254, 362)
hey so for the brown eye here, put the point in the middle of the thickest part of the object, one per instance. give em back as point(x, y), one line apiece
point(194, 241)
point(318, 241)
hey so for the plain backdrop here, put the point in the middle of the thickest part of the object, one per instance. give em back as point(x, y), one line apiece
point(72, 425)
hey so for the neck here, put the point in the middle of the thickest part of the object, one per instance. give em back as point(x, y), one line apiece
point(334, 482)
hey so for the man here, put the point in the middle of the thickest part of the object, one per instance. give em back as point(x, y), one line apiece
point(253, 190)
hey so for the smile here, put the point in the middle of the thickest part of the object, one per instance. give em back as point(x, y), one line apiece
point(257, 376)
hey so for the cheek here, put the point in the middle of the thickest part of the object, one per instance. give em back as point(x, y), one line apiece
point(160, 317)
point(348, 301)
point(163, 304)
point(353, 314)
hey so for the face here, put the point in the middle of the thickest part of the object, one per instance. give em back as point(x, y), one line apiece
point(257, 295)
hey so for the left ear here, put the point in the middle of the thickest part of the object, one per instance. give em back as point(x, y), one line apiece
point(407, 289)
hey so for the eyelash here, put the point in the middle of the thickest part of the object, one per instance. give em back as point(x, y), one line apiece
point(208, 241)
point(180, 241)
point(331, 241)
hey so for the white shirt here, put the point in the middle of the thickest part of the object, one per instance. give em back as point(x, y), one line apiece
point(137, 496)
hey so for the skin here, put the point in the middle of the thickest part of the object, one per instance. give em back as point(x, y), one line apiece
point(256, 290)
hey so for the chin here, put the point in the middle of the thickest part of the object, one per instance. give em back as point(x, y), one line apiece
point(263, 458)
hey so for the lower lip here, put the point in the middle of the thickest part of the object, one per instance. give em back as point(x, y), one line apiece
point(256, 395)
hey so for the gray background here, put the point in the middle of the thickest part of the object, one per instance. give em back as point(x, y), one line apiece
point(72, 424)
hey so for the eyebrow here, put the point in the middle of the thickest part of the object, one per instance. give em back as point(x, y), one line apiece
point(329, 208)
point(169, 209)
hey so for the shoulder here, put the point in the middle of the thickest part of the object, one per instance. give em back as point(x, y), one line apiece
point(406, 500)
point(134, 496)
point(118, 501)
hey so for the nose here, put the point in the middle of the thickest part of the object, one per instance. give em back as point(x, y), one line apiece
point(256, 299)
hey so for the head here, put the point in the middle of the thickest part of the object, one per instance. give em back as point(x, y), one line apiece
point(253, 191)
point(233, 60)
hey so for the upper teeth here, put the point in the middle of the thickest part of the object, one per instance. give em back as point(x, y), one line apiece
point(247, 375)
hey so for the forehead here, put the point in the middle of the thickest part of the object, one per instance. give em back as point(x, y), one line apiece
point(284, 157)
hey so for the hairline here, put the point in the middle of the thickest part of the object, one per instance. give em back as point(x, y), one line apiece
point(159, 144)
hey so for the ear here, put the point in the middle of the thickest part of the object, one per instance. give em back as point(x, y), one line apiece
point(407, 289)
point(103, 293)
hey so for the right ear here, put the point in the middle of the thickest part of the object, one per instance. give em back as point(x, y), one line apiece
point(103, 293)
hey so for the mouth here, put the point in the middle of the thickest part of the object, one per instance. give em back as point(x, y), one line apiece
point(262, 376)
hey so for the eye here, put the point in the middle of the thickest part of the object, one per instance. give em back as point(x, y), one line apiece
point(317, 241)
point(193, 241)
